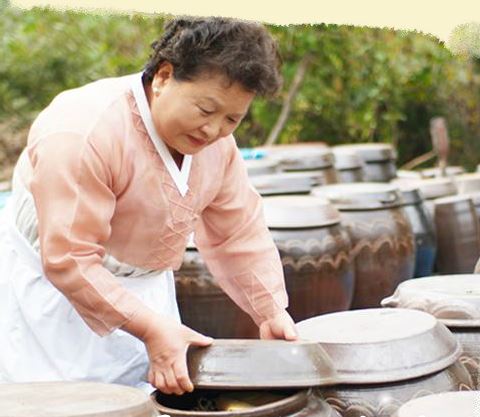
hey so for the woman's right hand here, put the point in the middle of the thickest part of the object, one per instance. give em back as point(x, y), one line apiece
point(167, 342)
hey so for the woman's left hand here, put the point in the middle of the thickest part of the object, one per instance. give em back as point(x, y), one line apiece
point(279, 327)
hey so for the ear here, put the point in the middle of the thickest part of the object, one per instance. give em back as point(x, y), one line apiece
point(163, 75)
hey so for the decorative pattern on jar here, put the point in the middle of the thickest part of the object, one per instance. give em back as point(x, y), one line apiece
point(384, 358)
point(382, 237)
point(315, 251)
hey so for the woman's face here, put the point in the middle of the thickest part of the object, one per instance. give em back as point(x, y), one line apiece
point(190, 115)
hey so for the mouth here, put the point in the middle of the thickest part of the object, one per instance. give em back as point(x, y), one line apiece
point(197, 141)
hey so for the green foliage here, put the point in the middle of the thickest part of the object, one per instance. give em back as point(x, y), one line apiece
point(362, 84)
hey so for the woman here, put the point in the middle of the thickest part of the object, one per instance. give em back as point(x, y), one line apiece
point(115, 177)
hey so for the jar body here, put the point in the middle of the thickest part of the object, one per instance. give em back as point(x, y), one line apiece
point(204, 306)
point(383, 252)
point(318, 269)
point(383, 400)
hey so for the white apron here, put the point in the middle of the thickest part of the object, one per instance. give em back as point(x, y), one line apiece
point(43, 338)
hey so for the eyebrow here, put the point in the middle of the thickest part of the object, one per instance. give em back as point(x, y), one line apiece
point(217, 103)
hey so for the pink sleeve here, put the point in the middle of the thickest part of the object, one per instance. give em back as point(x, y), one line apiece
point(237, 246)
point(71, 186)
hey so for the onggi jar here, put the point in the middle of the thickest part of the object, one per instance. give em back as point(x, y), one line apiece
point(382, 237)
point(315, 251)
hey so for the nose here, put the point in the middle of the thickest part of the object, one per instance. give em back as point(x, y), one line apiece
point(212, 129)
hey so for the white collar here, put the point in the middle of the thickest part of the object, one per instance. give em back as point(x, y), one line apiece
point(179, 176)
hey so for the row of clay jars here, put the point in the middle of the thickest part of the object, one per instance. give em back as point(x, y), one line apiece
point(344, 164)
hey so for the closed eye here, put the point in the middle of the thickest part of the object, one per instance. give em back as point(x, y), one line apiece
point(205, 111)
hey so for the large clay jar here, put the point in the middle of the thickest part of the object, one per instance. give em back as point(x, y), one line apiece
point(73, 399)
point(349, 165)
point(379, 160)
point(381, 234)
point(239, 378)
point(458, 235)
point(204, 306)
point(315, 251)
point(455, 301)
point(305, 157)
point(384, 358)
point(423, 229)
point(446, 404)
point(283, 183)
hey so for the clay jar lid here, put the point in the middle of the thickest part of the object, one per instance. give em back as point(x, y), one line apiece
point(262, 166)
point(436, 172)
point(436, 187)
point(371, 152)
point(245, 364)
point(282, 183)
point(445, 404)
point(73, 399)
point(346, 159)
point(382, 345)
point(453, 299)
point(360, 196)
point(302, 156)
point(287, 212)
point(467, 183)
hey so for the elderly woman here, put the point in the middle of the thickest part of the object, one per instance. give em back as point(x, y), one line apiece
point(115, 177)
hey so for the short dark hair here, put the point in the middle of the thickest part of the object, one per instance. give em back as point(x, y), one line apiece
point(244, 51)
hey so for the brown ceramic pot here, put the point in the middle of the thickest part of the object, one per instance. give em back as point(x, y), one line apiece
point(204, 306)
point(305, 157)
point(315, 252)
point(286, 403)
point(379, 160)
point(458, 235)
point(382, 237)
point(384, 358)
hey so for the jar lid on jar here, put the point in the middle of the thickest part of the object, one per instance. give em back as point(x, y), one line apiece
point(445, 404)
point(262, 166)
point(301, 156)
point(73, 399)
point(259, 364)
point(467, 183)
point(452, 299)
point(432, 188)
point(282, 183)
point(346, 158)
point(360, 196)
point(372, 152)
point(450, 171)
point(290, 212)
point(382, 345)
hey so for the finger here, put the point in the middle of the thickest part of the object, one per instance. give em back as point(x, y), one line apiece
point(151, 377)
point(171, 381)
point(197, 339)
point(290, 332)
point(161, 384)
point(181, 374)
